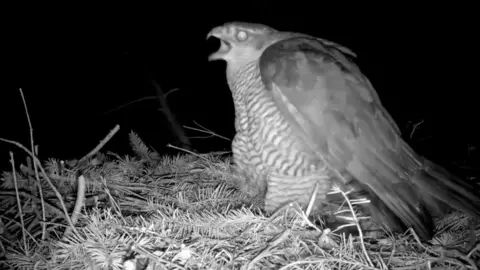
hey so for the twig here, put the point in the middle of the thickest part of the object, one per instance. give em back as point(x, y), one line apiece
point(177, 129)
point(415, 126)
point(306, 221)
point(114, 204)
point(318, 262)
point(130, 103)
point(415, 236)
point(59, 196)
point(32, 237)
point(78, 204)
point(207, 131)
point(101, 144)
point(360, 232)
point(34, 199)
point(454, 253)
point(477, 247)
point(20, 210)
point(141, 99)
point(188, 151)
point(312, 200)
point(165, 96)
point(35, 150)
point(281, 237)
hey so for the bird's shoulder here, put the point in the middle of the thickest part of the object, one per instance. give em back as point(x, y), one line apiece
point(313, 72)
point(284, 61)
point(310, 69)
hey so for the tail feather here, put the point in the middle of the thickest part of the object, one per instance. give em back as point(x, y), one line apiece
point(431, 191)
point(383, 215)
point(409, 210)
point(444, 188)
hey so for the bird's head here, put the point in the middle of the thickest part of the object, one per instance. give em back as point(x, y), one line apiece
point(242, 43)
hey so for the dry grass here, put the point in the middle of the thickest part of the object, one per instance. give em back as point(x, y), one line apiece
point(190, 212)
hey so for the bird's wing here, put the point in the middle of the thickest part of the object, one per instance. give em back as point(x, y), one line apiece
point(338, 113)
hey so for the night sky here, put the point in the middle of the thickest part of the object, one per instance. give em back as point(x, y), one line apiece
point(75, 65)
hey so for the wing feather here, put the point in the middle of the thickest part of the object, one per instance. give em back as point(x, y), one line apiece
point(340, 116)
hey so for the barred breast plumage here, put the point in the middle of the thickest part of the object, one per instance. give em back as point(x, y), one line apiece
point(266, 149)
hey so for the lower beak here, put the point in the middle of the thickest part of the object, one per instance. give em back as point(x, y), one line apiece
point(222, 51)
point(224, 47)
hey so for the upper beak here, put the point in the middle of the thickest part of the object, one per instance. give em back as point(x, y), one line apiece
point(215, 32)
point(224, 47)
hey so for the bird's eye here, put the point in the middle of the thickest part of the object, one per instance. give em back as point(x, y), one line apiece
point(242, 35)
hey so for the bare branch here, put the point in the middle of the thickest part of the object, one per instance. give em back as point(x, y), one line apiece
point(207, 131)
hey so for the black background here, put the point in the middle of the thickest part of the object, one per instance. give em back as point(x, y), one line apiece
point(76, 62)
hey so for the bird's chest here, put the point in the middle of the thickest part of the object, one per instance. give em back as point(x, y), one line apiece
point(264, 143)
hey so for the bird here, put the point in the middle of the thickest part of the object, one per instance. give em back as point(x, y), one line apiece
point(307, 118)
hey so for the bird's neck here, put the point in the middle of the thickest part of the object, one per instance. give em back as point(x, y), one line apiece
point(244, 80)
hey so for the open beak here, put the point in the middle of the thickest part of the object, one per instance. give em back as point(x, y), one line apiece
point(224, 47)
